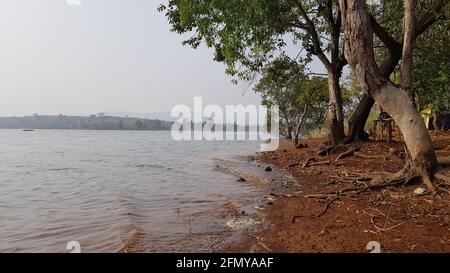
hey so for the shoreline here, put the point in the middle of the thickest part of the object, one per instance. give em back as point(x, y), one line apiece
point(397, 218)
point(250, 216)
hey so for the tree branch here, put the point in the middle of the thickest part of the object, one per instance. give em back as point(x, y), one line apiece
point(408, 44)
point(391, 43)
point(317, 50)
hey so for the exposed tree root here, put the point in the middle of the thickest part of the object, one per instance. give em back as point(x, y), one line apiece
point(308, 161)
point(443, 176)
point(413, 171)
point(376, 181)
point(348, 153)
point(327, 150)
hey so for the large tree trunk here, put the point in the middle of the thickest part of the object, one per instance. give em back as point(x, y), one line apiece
point(356, 129)
point(359, 52)
point(407, 55)
point(358, 120)
point(335, 114)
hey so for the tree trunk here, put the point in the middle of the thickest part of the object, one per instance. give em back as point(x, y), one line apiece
point(288, 131)
point(389, 64)
point(358, 120)
point(359, 52)
point(288, 125)
point(296, 139)
point(335, 114)
point(300, 124)
point(408, 43)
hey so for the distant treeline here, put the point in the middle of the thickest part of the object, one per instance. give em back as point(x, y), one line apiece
point(94, 122)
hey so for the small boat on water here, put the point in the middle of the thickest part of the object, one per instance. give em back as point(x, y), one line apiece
point(28, 130)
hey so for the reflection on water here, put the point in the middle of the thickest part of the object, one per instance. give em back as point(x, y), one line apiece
point(115, 190)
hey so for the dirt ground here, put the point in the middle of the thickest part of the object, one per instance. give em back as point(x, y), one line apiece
point(399, 219)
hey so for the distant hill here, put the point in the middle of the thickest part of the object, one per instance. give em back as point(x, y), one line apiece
point(94, 122)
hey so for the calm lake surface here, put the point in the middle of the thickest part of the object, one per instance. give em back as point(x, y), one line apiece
point(115, 190)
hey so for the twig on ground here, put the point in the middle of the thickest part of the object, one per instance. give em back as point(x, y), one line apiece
point(327, 206)
point(327, 162)
point(383, 229)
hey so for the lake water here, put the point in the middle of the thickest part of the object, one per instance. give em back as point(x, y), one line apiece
point(115, 190)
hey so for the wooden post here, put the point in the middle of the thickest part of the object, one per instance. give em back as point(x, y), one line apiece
point(389, 128)
point(375, 130)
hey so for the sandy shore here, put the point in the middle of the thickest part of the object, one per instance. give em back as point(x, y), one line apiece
point(300, 219)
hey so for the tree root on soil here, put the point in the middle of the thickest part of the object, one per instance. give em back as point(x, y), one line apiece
point(327, 150)
point(347, 153)
point(308, 161)
point(376, 181)
point(443, 176)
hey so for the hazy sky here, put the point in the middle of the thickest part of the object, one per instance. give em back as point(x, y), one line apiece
point(102, 56)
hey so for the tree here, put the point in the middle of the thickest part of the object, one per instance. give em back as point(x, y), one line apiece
point(359, 51)
point(431, 73)
point(279, 85)
point(246, 35)
point(389, 48)
point(313, 96)
point(302, 101)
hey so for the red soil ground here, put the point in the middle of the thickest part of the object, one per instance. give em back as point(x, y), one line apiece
point(396, 217)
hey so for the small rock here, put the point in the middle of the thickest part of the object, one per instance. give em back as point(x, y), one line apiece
point(269, 198)
point(268, 169)
point(241, 179)
point(259, 208)
point(420, 191)
point(270, 203)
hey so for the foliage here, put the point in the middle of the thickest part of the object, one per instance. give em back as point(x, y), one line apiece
point(284, 83)
point(279, 85)
point(94, 122)
point(431, 58)
point(314, 93)
point(432, 68)
point(248, 34)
